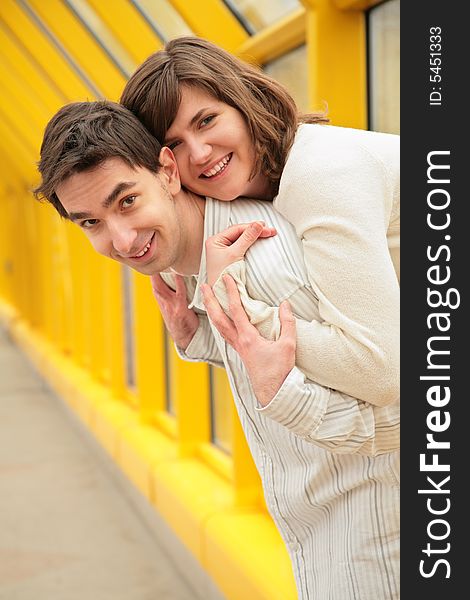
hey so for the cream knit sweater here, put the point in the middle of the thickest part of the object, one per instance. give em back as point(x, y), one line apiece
point(340, 189)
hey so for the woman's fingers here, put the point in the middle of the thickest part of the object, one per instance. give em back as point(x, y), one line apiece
point(242, 233)
point(251, 233)
point(216, 314)
point(237, 312)
point(288, 325)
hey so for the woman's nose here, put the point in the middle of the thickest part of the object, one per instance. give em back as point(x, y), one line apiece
point(199, 152)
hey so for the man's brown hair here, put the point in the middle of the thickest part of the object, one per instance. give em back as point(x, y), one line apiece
point(153, 94)
point(82, 135)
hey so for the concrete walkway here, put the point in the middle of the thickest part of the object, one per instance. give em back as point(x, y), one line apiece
point(67, 529)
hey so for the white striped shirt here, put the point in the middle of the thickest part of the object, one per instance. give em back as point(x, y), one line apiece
point(328, 462)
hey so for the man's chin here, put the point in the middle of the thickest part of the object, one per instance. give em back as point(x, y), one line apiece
point(150, 269)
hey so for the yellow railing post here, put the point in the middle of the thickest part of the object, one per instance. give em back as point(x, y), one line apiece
point(336, 46)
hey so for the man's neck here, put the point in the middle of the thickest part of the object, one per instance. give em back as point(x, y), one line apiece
point(191, 210)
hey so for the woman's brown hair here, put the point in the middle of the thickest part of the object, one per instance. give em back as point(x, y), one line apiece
point(153, 94)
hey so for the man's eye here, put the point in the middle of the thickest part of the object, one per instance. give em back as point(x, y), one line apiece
point(88, 223)
point(129, 201)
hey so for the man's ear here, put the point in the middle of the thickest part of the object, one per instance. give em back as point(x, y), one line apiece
point(169, 170)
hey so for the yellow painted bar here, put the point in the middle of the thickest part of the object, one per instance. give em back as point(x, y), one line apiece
point(15, 118)
point(27, 70)
point(356, 4)
point(129, 27)
point(246, 479)
point(150, 352)
point(254, 573)
point(94, 315)
point(19, 150)
point(78, 248)
point(212, 20)
point(81, 46)
point(113, 328)
point(26, 231)
point(277, 39)
point(191, 397)
point(10, 191)
point(336, 46)
point(52, 64)
point(35, 111)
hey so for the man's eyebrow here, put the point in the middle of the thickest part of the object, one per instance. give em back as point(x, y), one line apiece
point(110, 198)
point(117, 191)
point(76, 216)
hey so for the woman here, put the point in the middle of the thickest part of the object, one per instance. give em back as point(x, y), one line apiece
point(235, 132)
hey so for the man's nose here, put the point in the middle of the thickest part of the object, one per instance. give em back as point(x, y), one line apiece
point(123, 239)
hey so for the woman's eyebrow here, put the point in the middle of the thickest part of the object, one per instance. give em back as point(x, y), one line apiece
point(194, 119)
point(198, 115)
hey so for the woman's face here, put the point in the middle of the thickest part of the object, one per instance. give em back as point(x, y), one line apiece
point(213, 148)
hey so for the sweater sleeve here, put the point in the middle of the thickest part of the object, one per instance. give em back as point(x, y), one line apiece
point(319, 415)
point(339, 203)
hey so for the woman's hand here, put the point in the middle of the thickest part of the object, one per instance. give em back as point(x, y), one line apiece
point(230, 245)
point(180, 320)
point(267, 362)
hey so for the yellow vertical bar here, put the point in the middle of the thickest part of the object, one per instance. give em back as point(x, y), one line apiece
point(64, 289)
point(129, 27)
point(43, 52)
point(24, 65)
point(27, 253)
point(149, 349)
point(15, 119)
point(38, 268)
point(191, 396)
point(81, 46)
point(113, 327)
point(246, 479)
point(19, 150)
point(96, 308)
point(212, 20)
point(10, 194)
point(42, 256)
point(336, 47)
point(78, 246)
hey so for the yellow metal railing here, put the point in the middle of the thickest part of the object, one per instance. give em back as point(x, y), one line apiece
point(65, 304)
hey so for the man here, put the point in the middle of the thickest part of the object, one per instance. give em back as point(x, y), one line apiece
point(335, 504)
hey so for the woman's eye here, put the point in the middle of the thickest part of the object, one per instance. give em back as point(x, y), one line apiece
point(129, 201)
point(207, 120)
point(173, 145)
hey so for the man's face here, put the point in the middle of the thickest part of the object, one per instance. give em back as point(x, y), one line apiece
point(127, 214)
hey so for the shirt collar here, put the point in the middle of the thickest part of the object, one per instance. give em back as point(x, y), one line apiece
point(216, 219)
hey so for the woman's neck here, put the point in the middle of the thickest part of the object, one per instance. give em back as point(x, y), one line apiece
point(260, 187)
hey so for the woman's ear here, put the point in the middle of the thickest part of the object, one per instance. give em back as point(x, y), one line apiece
point(169, 169)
